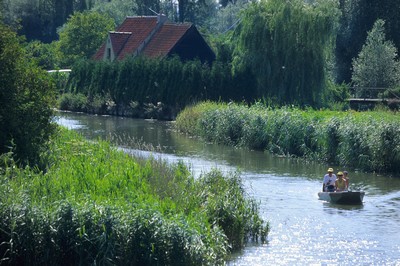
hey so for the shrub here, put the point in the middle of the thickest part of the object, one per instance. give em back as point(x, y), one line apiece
point(26, 100)
point(75, 102)
point(227, 206)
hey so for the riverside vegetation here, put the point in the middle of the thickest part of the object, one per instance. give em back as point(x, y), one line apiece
point(368, 141)
point(67, 201)
point(95, 204)
point(149, 88)
point(86, 203)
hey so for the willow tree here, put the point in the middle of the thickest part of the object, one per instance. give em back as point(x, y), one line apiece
point(287, 45)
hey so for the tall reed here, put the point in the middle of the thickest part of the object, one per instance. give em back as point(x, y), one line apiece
point(95, 204)
point(368, 141)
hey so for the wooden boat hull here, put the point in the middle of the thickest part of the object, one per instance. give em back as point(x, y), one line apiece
point(345, 197)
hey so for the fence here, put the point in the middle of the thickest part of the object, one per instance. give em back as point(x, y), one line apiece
point(366, 97)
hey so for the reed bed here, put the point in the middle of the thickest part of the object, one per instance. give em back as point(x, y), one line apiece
point(368, 141)
point(97, 205)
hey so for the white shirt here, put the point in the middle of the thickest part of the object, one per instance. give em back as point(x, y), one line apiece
point(329, 180)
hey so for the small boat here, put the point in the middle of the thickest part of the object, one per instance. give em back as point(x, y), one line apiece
point(343, 197)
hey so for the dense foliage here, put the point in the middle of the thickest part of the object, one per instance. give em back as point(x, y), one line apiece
point(367, 141)
point(358, 17)
point(47, 55)
point(126, 86)
point(287, 45)
point(26, 98)
point(40, 19)
point(377, 65)
point(285, 48)
point(98, 205)
point(82, 36)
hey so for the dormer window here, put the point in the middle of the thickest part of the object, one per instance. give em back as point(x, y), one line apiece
point(153, 36)
point(109, 53)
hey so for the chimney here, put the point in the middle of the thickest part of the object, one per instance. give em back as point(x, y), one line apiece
point(161, 18)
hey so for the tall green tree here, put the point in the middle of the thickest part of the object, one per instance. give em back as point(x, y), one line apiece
point(358, 17)
point(82, 35)
point(40, 19)
point(226, 17)
point(119, 9)
point(146, 7)
point(377, 64)
point(30, 18)
point(287, 45)
point(26, 98)
point(46, 54)
point(198, 12)
point(62, 9)
point(116, 9)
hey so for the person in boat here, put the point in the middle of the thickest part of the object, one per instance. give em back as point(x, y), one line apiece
point(328, 184)
point(346, 177)
point(340, 183)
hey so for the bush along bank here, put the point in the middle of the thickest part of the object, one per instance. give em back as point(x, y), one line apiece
point(368, 141)
point(97, 205)
point(150, 88)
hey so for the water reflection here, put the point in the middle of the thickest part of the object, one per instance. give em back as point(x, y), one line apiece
point(337, 208)
point(304, 230)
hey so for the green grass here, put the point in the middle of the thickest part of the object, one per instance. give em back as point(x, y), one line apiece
point(369, 141)
point(98, 205)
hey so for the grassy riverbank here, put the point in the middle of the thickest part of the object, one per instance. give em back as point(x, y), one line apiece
point(369, 141)
point(98, 205)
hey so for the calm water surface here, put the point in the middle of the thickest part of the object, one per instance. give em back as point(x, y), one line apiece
point(304, 230)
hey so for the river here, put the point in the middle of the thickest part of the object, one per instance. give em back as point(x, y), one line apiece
point(304, 230)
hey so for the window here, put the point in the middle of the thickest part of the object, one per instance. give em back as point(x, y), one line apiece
point(109, 53)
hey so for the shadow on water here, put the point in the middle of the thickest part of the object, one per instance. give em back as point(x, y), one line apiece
point(303, 228)
point(337, 208)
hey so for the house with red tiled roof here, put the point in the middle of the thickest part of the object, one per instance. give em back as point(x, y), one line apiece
point(155, 36)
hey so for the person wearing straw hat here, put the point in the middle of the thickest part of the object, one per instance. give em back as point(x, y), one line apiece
point(329, 181)
point(340, 183)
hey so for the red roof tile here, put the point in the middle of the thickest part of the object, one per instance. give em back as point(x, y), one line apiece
point(134, 31)
point(165, 39)
point(140, 27)
point(100, 53)
point(118, 40)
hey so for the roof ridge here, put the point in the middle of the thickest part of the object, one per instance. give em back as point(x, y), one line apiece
point(178, 24)
point(121, 32)
point(152, 36)
point(161, 20)
point(141, 17)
